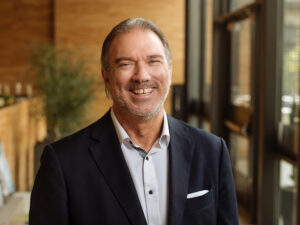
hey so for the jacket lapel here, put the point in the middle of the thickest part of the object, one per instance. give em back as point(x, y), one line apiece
point(109, 158)
point(181, 153)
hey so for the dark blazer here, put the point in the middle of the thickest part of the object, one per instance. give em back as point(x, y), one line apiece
point(84, 180)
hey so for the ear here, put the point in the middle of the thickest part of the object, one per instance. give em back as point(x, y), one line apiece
point(105, 77)
point(170, 73)
point(106, 82)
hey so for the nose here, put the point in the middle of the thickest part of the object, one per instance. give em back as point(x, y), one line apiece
point(141, 73)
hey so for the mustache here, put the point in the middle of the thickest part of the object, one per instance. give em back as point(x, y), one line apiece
point(142, 85)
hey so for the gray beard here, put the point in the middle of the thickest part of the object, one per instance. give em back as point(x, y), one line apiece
point(145, 116)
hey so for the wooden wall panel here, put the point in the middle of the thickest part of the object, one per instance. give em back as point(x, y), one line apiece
point(21, 127)
point(81, 25)
point(22, 22)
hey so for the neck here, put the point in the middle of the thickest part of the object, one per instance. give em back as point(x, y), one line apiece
point(143, 131)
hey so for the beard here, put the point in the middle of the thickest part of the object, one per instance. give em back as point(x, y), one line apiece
point(124, 106)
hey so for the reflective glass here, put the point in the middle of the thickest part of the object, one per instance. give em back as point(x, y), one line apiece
point(242, 165)
point(240, 154)
point(193, 46)
point(287, 194)
point(288, 130)
point(235, 4)
point(241, 55)
point(208, 50)
point(205, 125)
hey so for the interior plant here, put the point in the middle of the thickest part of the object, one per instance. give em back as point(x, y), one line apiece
point(65, 87)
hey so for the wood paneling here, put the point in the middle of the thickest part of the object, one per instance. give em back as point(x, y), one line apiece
point(81, 25)
point(78, 25)
point(22, 22)
point(21, 126)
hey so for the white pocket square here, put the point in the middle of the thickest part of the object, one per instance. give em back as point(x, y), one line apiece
point(197, 194)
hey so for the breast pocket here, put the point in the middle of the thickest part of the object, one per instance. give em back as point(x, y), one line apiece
point(201, 202)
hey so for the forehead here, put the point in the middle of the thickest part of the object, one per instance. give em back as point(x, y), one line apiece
point(136, 41)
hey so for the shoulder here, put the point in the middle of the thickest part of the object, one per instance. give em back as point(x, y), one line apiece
point(205, 143)
point(83, 138)
point(192, 133)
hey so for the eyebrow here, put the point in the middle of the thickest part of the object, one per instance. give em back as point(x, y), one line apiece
point(118, 60)
point(155, 56)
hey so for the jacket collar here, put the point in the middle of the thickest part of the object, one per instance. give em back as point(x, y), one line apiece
point(107, 149)
point(181, 154)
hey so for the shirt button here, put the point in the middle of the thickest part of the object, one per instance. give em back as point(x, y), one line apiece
point(150, 192)
point(147, 158)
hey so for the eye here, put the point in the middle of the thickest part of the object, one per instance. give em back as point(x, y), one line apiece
point(155, 61)
point(124, 64)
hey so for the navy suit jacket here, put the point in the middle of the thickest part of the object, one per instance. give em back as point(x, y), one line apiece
point(84, 180)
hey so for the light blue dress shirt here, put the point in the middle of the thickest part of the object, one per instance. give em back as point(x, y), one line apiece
point(149, 172)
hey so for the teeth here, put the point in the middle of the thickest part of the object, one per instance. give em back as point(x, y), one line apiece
point(142, 91)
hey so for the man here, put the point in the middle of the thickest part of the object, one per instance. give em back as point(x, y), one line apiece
point(136, 165)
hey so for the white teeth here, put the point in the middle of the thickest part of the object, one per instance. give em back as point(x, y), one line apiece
point(142, 91)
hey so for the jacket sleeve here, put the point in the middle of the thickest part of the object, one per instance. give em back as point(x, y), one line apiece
point(49, 204)
point(227, 204)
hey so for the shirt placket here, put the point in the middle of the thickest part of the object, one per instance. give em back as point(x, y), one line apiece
point(151, 191)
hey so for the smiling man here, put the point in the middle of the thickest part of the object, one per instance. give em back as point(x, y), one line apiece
point(136, 165)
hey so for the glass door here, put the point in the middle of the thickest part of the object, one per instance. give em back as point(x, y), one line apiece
point(235, 72)
point(238, 119)
point(289, 117)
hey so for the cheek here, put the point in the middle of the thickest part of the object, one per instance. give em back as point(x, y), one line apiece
point(156, 70)
point(170, 79)
point(161, 74)
point(118, 84)
point(167, 78)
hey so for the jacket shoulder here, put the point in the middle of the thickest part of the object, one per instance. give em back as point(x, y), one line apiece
point(192, 133)
point(84, 137)
point(205, 143)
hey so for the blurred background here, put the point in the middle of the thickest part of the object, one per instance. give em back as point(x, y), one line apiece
point(235, 74)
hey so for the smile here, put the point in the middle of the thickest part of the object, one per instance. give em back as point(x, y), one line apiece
point(142, 91)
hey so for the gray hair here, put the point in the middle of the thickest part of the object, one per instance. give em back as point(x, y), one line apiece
point(126, 26)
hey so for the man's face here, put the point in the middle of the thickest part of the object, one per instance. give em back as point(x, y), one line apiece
point(139, 74)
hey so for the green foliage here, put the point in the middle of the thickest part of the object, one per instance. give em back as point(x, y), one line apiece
point(66, 88)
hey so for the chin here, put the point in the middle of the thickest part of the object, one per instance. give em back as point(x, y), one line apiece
point(146, 114)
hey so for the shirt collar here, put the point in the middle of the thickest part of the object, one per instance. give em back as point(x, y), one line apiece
point(122, 134)
point(164, 138)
